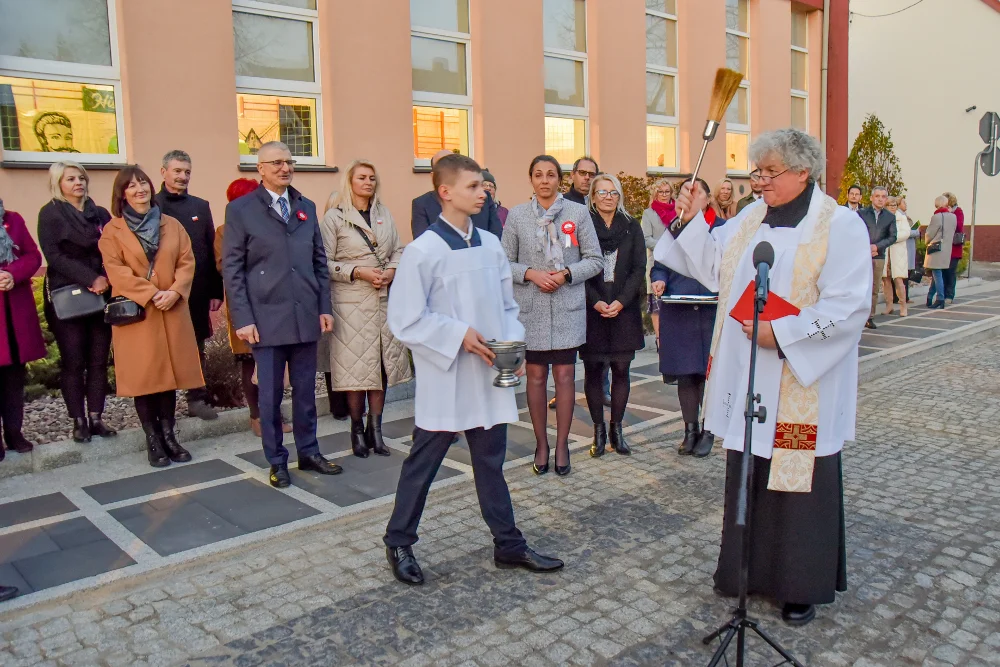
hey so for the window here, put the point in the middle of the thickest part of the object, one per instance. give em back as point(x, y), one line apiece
point(277, 77)
point(60, 86)
point(738, 58)
point(566, 97)
point(661, 85)
point(800, 70)
point(440, 55)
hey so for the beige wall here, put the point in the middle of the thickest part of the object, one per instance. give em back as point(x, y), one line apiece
point(179, 92)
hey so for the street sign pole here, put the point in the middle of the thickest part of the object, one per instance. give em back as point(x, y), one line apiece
point(989, 161)
point(972, 222)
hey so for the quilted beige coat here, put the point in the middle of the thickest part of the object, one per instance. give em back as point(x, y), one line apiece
point(361, 341)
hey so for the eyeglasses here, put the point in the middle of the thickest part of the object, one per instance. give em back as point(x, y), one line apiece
point(589, 174)
point(757, 177)
point(608, 193)
point(278, 164)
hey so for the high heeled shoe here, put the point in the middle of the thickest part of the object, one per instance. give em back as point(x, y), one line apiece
point(562, 471)
point(617, 439)
point(541, 469)
point(373, 435)
point(692, 431)
point(600, 444)
point(358, 444)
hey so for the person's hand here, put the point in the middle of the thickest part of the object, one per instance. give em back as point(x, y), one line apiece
point(248, 334)
point(214, 305)
point(542, 280)
point(99, 286)
point(6, 281)
point(369, 274)
point(326, 323)
point(765, 334)
point(165, 299)
point(521, 371)
point(601, 307)
point(614, 308)
point(874, 250)
point(474, 343)
point(658, 288)
point(559, 277)
point(691, 201)
point(384, 278)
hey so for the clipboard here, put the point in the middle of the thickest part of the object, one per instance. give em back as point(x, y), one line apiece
point(690, 299)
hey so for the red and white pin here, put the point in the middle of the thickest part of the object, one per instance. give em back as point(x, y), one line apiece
point(569, 229)
point(302, 215)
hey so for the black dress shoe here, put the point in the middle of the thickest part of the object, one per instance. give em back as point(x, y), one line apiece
point(373, 435)
point(798, 614)
point(156, 451)
point(99, 428)
point(7, 593)
point(358, 443)
point(704, 446)
point(17, 442)
point(617, 439)
point(691, 434)
point(176, 453)
point(600, 444)
point(527, 560)
point(317, 463)
point(280, 479)
point(81, 430)
point(870, 324)
point(404, 565)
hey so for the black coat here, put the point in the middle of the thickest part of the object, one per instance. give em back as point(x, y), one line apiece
point(625, 332)
point(881, 232)
point(195, 216)
point(68, 239)
point(275, 273)
point(426, 208)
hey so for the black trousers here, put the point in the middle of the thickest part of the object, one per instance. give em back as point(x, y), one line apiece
point(153, 407)
point(12, 399)
point(301, 361)
point(200, 393)
point(84, 343)
point(951, 277)
point(488, 448)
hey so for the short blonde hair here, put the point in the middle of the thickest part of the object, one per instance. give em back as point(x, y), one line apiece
point(611, 178)
point(56, 172)
point(952, 199)
point(941, 201)
point(342, 198)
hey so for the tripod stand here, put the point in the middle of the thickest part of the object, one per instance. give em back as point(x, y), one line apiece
point(763, 258)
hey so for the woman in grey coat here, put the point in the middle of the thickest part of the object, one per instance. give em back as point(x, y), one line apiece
point(553, 250)
point(940, 233)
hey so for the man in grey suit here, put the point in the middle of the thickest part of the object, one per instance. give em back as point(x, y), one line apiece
point(882, 234)
point(426, 208)
point(274, 269)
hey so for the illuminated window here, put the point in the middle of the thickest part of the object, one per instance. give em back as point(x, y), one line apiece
point(661, 85)
point(277, 77)
point(564, 25)
point(440, 57)
point(800, 70)
point(60, 87)
point(738, 58)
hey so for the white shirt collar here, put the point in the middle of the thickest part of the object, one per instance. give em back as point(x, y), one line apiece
point(466, 236)
point(275, 196)
point(757, 195)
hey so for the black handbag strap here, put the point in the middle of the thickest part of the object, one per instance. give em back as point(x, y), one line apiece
point(371, 246)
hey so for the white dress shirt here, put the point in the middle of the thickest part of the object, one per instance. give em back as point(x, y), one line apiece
point(274, 201)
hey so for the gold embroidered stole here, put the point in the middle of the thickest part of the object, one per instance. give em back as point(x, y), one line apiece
point(794, 453)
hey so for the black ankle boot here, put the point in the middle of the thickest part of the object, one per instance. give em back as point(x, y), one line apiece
point(618, 440)
point(373, 435)
point(99, 428)
point(705, 443)
point(358, 444)
point(176, 453)
point(600, 443)
point(81, 431)
point(156, 452)
point(691, 435)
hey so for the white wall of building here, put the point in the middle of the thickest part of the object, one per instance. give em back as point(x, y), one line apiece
point(918, 71)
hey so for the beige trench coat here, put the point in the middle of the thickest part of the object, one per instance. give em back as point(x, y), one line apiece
point(361, 342)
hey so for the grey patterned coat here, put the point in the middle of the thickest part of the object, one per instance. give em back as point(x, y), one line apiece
point(556, 321)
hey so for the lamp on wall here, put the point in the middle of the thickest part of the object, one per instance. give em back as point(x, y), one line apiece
point(972, 108)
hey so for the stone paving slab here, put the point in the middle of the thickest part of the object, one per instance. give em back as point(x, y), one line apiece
point(39, 507)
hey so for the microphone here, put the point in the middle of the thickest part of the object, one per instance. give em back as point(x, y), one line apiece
point(763, 259)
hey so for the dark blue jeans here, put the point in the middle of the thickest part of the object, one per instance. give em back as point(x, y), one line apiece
point(937, 287)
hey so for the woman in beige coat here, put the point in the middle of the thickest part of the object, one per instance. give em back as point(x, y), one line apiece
point(939, 236)
point(897, 266)
point(363, 251)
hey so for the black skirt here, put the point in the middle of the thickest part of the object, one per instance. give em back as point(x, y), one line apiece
point(552, 357)
point(798, 551)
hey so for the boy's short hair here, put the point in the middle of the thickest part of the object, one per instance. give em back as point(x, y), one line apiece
point(446, 169)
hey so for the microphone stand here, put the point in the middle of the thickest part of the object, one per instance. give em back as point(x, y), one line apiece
point(738, 624)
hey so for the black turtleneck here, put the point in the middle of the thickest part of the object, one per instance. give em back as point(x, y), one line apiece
point(792, 213)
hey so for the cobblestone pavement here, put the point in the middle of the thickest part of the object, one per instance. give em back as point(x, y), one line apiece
point(640, 536)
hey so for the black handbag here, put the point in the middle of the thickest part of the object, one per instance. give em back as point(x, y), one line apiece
point(122, 311)
point(958, 239)
point(74, 301)
point(933, 247)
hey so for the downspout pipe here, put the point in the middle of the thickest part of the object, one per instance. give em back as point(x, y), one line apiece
point(825, 84)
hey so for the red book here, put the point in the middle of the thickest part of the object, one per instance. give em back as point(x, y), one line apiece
point(775, 309)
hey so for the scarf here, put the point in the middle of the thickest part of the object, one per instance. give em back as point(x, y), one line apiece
point(667, 212)
point(943, 209)
point(791, 213)
point(611, 237)
point(725, 208)
point(548, 238)
point(6, 243)
point(145, 227)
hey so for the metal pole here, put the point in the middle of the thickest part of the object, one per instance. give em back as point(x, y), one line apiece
point(972, 222)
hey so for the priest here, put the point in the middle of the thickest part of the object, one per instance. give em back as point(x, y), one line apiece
point(453, 292)
point(807, 367)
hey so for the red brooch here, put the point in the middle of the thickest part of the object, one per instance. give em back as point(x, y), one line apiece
point(569, 229)
point(302, 215)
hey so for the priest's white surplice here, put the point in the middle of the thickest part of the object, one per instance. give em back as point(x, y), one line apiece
point(820, 344)
point(437, 294)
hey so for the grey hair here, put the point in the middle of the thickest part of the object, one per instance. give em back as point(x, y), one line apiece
point(882, 188)
point(797, 150)
point(614, 181)
point(280, 145)
point(180, 156)
point(941, 202)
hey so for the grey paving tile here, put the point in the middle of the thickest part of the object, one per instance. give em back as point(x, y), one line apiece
point(32, 509)
point(251, 505)
point(328, 445)
point(882, 343)
point(329, 488)
point(174, 477)
point(60, 567)
point(520, 442)
point(180, 525)
point(955, 313)
point(925, 321)
point(655, 395)
point(25, 544)
point(650, 369)
point(906, 332)
point(399, 428)
point(73, 533)
point(9, 576)
point(864, 351)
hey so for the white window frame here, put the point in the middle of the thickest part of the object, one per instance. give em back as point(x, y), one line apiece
point(252, 85)
point(741, 128)
point(53, 70)
point(666, 121)
point(422, 98)
point(804, 94)
point(575, 113)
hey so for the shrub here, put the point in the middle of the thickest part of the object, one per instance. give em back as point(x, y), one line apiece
point(222, 373)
